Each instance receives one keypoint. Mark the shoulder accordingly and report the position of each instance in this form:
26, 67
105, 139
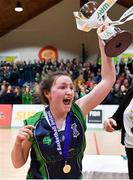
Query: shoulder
33, 119
75, 108
78, 113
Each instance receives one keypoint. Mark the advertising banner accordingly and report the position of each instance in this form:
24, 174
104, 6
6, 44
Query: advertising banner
94, 118
22, 112
99, 114
5, 115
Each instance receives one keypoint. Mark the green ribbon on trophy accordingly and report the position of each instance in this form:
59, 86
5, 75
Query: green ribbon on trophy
91, 16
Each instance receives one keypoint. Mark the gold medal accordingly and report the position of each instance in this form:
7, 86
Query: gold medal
66, 168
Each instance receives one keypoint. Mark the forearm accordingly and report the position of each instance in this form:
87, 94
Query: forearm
17, 156
107, 67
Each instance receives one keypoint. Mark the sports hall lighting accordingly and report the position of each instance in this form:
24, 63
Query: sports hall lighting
18, 7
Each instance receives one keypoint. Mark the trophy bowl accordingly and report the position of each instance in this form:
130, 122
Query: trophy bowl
118, 43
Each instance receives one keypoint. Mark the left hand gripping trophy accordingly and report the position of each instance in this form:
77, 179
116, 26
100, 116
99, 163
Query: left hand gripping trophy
92, 16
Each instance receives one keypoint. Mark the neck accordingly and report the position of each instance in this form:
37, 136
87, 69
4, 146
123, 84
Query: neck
58, 116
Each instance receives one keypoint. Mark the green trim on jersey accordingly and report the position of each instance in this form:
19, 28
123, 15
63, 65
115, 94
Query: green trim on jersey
33, 121
42, 162
77, 111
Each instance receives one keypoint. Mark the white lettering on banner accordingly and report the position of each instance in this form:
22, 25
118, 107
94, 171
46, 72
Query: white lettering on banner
95, 113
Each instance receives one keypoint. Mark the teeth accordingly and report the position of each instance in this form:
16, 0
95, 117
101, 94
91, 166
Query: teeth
66, 101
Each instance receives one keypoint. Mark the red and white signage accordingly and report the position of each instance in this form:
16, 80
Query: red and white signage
5, 115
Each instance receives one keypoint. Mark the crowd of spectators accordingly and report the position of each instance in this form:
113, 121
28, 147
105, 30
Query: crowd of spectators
19, 81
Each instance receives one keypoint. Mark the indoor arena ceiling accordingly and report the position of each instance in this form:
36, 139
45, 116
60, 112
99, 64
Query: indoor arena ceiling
9, 19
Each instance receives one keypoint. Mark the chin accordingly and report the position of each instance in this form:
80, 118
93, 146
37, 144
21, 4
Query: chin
67, 108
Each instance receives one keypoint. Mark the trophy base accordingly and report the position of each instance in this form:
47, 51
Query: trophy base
118, 43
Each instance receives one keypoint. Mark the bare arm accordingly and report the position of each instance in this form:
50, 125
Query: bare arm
97, 95
20, 152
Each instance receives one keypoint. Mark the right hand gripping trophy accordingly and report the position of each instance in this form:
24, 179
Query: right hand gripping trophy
91, 15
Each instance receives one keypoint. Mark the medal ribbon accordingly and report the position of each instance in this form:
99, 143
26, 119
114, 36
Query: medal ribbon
64, 153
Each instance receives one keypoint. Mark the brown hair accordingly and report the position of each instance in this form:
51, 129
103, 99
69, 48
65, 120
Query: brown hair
47, 83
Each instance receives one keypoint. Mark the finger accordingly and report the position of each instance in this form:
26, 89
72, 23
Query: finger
25, 135
28, 131
113, 123
101, 28
108, 127
30, 127
21, 137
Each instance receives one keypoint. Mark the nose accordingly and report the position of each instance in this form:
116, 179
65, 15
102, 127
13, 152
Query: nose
69, 91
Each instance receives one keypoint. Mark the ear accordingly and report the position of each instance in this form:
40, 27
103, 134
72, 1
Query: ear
46, 94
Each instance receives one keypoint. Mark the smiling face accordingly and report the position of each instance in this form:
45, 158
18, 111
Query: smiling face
61, 95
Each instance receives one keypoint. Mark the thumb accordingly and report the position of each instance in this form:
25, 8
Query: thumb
113, 123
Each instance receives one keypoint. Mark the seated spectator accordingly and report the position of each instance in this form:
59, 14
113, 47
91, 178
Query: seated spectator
26, 96
122, 93
36, 99
129, 76
115, 94
8, 97
17, 96
82, 91
126, 83
3, 90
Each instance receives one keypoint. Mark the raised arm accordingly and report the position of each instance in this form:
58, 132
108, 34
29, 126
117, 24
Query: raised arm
97, 95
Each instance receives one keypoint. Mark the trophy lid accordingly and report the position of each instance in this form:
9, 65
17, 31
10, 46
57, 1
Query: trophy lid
88, 9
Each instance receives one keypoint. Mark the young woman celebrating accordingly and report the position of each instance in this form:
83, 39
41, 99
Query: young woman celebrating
56, 136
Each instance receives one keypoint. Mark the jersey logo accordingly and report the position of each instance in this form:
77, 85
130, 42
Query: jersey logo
47, 140
75, 131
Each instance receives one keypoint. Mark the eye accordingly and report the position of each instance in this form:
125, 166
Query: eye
72, 87
62, 87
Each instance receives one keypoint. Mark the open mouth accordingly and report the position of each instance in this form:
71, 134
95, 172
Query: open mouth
66, 101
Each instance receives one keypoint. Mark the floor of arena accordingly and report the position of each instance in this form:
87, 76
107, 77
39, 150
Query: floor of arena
99, 142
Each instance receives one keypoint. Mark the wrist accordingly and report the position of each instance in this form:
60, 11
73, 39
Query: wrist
18, 143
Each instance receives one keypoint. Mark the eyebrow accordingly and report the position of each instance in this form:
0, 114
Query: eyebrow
66, 84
